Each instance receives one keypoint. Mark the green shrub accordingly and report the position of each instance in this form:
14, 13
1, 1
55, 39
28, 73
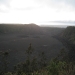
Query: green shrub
9, 73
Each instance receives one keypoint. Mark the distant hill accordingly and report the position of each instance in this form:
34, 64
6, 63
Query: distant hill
28, 29
20, 28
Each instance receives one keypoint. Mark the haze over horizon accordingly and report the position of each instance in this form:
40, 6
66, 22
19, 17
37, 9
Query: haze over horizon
41, 12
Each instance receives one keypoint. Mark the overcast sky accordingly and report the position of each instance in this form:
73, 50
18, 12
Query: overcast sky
38, 11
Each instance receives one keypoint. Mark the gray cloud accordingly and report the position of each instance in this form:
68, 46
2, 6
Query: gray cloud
56, 2
63, 22
47, 2
68, 2
27, 8
5, 2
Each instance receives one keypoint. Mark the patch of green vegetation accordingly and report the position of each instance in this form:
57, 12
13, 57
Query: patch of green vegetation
69, 33
56, 66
